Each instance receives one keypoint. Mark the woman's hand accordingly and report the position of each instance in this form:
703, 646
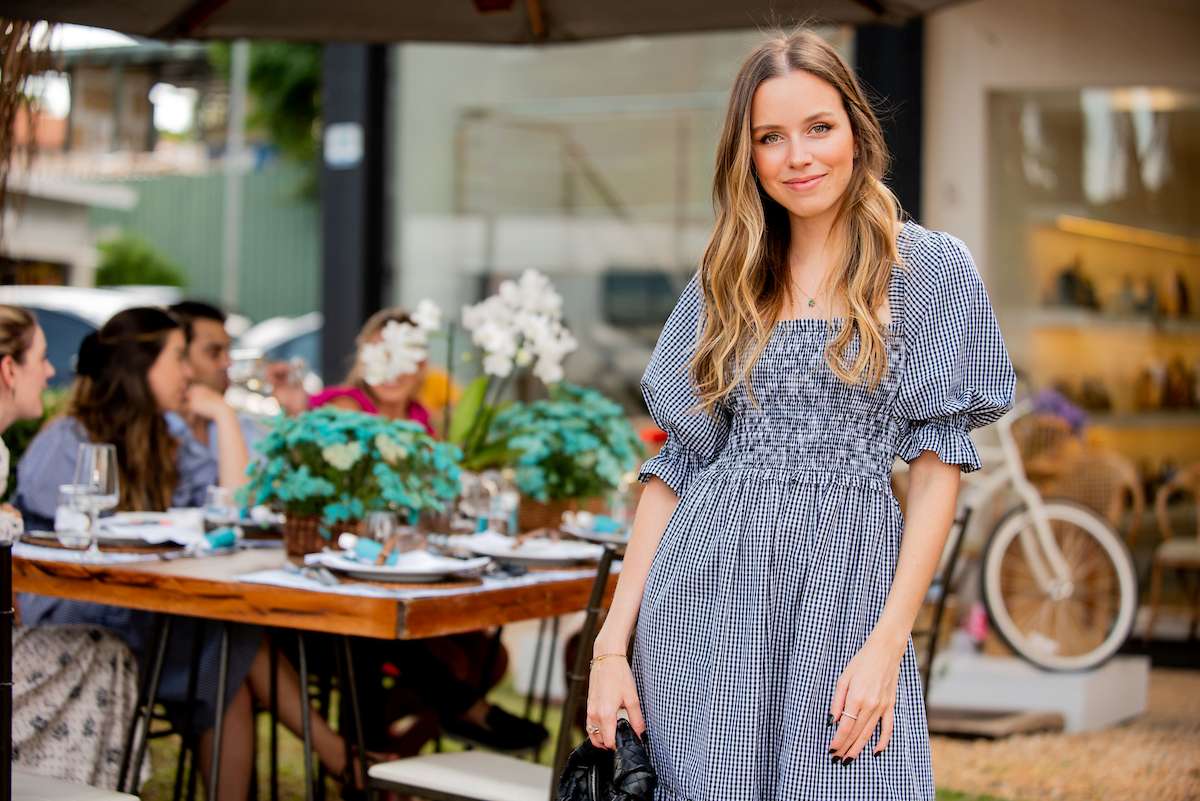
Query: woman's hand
865, 696
206, 402
610, 690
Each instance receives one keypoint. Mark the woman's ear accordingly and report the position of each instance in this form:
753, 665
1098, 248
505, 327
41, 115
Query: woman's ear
8, 371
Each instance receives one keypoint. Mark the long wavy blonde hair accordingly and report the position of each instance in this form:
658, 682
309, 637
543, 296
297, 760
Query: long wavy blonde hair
744, 273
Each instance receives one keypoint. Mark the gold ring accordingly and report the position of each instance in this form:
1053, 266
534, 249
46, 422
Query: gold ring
848, 715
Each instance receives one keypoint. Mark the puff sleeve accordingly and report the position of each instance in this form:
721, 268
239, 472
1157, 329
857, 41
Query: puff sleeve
958, 375
694, 437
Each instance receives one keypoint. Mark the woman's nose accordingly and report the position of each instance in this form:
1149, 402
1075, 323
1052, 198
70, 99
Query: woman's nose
799, 153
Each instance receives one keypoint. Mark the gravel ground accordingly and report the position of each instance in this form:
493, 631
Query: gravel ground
1153, 758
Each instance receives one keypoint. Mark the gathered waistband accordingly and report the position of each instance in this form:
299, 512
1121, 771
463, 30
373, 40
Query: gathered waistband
880, 481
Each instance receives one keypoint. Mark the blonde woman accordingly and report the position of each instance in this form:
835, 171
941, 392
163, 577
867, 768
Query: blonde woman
772, 577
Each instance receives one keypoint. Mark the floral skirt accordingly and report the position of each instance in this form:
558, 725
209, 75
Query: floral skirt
74, 692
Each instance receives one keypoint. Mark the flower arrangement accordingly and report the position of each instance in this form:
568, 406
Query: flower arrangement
338, 465
402, 346
520, 327
575, 444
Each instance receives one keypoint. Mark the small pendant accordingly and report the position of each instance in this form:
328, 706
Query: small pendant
811, 303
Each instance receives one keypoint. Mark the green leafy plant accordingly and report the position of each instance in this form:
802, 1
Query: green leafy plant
131, 260
340, 465
576, 444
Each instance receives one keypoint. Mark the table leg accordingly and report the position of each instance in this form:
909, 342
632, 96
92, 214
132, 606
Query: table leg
273, 693
537, 658
186, 742
143, 711
222, 679
305, 718
350, 697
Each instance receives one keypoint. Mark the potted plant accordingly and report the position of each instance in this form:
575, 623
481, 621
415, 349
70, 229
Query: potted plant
575, 447
328, 468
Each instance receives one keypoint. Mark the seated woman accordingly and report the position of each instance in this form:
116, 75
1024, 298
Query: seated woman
446, 677
130, 373
74, 687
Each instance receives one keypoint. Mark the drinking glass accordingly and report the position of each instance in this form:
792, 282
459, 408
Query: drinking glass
97, 483
381, 525
220, 508
71, 516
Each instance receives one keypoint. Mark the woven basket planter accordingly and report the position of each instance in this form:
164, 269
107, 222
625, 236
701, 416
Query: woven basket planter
302, 535
548, 514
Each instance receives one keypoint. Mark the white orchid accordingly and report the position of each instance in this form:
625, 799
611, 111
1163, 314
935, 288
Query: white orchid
428, 316
519, 326
401, 349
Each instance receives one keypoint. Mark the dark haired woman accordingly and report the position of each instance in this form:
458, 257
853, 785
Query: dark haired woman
74, 687
771, 575
130, 373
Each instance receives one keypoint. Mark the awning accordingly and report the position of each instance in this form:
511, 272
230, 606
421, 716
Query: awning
483, 21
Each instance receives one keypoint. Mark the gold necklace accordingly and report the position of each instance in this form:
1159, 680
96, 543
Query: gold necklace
811, 300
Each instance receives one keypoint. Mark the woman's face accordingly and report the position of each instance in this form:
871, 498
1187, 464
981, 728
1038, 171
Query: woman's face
29, 378
802, 143
170, 374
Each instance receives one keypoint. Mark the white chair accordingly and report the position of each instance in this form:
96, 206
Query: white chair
487, 776
28, 786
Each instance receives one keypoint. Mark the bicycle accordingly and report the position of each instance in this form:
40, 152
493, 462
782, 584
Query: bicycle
1057, 581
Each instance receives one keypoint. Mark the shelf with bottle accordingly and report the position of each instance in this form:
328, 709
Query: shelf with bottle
1075, 318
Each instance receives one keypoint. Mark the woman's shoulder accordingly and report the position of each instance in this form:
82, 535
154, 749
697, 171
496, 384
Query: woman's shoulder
60, 431
935, 263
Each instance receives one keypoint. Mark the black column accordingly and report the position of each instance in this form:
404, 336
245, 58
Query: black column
354, 250
890, 61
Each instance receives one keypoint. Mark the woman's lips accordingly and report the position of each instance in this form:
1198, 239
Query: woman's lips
802, 184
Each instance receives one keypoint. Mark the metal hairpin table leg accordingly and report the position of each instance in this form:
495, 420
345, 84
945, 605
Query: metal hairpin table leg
214, 774
6, 685
187, 743
274, 707
305, 718
537, 658
144, 710
349, 699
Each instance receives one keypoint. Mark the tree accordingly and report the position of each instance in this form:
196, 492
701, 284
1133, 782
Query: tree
131, 260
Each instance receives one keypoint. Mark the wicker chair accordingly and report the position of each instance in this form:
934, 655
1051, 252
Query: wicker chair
1181, 554
1106, 482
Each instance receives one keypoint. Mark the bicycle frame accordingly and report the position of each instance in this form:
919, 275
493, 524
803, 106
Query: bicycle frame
1041, 551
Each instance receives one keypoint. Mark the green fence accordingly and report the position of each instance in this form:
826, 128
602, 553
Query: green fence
182, 215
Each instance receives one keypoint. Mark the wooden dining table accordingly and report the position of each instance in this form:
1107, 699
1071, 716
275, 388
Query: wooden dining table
213, 588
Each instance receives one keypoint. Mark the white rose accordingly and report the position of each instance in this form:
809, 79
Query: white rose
342, 457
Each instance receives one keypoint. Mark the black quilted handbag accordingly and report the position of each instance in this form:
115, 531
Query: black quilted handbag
597, 774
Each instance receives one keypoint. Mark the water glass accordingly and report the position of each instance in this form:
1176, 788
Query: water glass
71, 518
381, 526
97, 482
220, 508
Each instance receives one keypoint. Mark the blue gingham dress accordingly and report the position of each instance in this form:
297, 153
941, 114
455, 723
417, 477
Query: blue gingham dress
780, 555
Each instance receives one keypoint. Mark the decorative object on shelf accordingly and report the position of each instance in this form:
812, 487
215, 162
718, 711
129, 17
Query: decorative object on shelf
1178, 301
1178, 386
1073, 288
1145, 298
327, 468
1093, 395
1148, 387
518, 328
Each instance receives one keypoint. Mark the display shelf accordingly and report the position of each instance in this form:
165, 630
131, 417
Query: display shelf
1126, 234
1161, 418
1076, 319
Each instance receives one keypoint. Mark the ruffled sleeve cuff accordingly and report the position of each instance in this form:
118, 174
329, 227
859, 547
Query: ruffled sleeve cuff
674, 465
947, 438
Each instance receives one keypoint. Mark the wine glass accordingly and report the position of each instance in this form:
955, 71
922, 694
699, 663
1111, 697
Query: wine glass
381, 525
97, 483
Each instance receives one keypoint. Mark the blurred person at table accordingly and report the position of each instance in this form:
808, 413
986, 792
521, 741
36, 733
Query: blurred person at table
441, 681
208, 358
74, 687
131, 373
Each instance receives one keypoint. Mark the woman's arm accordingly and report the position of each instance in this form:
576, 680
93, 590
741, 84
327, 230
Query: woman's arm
612, 686
867, 687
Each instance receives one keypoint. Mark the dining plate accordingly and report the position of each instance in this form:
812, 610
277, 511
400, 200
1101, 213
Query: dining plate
532, 552
411, 567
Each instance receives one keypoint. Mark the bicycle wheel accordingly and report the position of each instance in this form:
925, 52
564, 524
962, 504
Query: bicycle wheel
1076, 624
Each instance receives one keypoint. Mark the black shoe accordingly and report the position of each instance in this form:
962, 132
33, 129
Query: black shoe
503, 731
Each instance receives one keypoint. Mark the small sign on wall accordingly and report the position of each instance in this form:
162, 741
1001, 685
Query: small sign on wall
343, 145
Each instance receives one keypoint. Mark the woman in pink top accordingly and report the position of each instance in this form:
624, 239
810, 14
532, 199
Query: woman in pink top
395, 398
441, 682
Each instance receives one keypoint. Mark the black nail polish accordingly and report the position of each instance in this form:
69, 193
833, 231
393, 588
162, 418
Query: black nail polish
836, 760
828, 719
847, 761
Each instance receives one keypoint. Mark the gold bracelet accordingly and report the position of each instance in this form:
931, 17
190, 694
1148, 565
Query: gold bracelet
596, 659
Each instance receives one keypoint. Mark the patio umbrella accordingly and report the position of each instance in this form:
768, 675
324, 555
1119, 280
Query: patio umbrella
483, 21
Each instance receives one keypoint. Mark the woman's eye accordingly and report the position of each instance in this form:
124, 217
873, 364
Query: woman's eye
823, 128
771, 138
